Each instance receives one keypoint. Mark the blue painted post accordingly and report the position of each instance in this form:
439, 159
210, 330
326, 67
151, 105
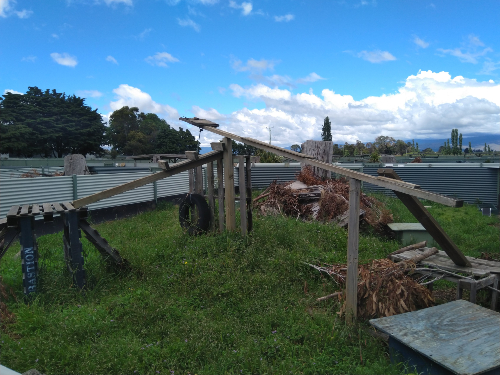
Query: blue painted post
73, 253
75, 187
29, 255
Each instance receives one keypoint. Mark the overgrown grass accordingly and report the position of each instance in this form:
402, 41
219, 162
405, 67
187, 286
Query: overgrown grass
214, 304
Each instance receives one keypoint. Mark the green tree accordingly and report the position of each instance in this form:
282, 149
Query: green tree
400, 147
470, 148
243, 149
296, 148
460, 140
49, 123
326, 133
385, 144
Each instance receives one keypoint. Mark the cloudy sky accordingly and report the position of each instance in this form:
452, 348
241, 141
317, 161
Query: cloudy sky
406, 69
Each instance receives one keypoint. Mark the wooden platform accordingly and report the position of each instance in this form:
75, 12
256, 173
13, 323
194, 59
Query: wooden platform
46, 209
458, 337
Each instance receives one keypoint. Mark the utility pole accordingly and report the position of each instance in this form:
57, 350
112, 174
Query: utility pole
270, 127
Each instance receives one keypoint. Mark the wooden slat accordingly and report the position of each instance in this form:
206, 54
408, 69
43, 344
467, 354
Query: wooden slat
198, 181
249, 193
210, 193
58, 207
307, 159
25, 209
428, 222
243, 195
174, 169
35, 209
229, 185
220, 191
217, 146
192, 155
13, 211
352, 251
68, 206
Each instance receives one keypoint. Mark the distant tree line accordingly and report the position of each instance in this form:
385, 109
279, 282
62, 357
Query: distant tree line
51, 124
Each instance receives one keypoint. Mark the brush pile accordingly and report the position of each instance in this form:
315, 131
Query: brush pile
311, 198
385, 288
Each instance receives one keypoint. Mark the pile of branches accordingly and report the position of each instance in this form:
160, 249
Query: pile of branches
331, 206
385, 288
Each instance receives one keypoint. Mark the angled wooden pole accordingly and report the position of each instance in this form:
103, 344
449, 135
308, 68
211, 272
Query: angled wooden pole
229, 184
352, 251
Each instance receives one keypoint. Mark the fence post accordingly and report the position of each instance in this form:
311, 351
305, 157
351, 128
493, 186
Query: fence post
155, 191
75, 187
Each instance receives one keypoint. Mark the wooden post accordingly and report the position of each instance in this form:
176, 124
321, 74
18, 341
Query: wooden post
29, 254
249, 193
191, 181
229, 184
243, 195
220, 193
322, 151
352, 252
210, 192
198, 184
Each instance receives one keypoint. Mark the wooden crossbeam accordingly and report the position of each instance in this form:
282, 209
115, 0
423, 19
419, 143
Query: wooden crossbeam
399, 186
174, 169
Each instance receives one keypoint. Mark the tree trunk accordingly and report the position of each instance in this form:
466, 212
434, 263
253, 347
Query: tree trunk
321, 150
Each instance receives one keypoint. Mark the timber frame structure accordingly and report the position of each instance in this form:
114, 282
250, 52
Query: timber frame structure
222, 154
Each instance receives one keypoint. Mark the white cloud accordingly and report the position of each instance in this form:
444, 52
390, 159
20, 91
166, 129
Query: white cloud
419, 42
210, 114
133, 97
64, 59
190, 23
246, 8
12, 92
208, 2
252, 65
489, 67
285, 18
144, 33
469, 52
7, 9
376, 56
30, 58
113, 2
427, 105
55, 36
89, 93
312, 77
111, 59
161, 59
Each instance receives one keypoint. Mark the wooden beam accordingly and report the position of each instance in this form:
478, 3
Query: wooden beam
428, 222
192, 155
400, 186
163, 164
249, 193
352, 252
217, 146
198, 180
220, 194
210, 193
174, 169
243, 194
229, 185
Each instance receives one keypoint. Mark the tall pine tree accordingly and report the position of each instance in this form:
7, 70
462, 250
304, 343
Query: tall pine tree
326, 133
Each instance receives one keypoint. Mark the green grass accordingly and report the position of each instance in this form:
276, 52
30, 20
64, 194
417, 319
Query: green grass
214, 304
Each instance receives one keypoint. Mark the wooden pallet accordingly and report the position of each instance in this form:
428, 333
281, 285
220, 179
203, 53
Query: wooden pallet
46, 209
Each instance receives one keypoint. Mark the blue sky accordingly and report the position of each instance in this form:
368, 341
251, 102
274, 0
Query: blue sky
407, 69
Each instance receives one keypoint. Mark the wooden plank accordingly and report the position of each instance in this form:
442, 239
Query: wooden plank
48, 214
58, 207
68, 206
442, 262
321, 150
35, 209
308, 159
249, 193
13, 211
352, 252
243, 194
428, 222
25, 209
198, 180
460, 336
100, 243
192, 155
220, 192
229, 185
191, 181
174, 169
210, 193
217, 146
163, 164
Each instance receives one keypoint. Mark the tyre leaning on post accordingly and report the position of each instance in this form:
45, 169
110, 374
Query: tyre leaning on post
191, 202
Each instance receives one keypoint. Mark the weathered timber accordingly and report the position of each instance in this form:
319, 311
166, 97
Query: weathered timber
428, 222
217, 146
249, 193
100, 243
25, 209
308, 159
163, 164
35, 209
198, 180
191, 181
174, 169
68, 206
48, 214
12, 216
229, 185
352, 251
210, 193
409, 247
320, 150
243, 195
220, 194
192, 155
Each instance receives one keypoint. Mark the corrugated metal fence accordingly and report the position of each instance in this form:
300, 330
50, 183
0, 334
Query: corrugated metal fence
470, 182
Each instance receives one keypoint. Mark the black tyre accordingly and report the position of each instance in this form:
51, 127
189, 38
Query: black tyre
194, 214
